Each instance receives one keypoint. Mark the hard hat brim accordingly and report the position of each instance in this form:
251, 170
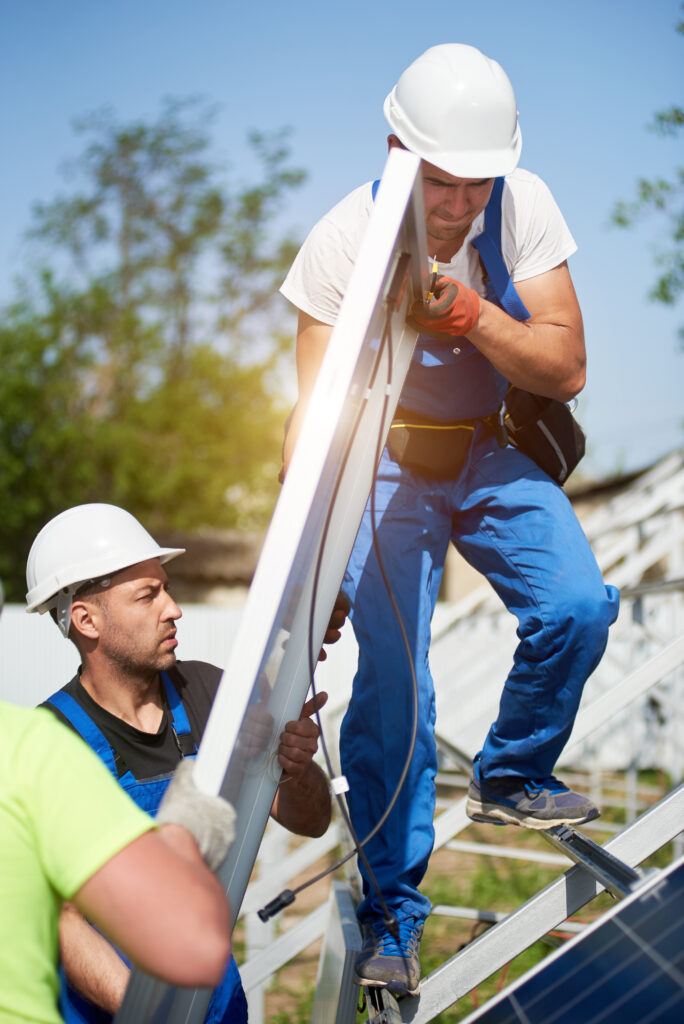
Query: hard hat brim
493, 163
43, 597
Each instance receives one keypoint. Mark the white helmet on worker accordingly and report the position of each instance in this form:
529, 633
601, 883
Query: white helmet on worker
456, 109
83, 545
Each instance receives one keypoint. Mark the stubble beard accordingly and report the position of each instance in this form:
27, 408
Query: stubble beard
443, 231
138, 663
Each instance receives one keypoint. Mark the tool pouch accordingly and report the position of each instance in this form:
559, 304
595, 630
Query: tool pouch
545, 430
431, 449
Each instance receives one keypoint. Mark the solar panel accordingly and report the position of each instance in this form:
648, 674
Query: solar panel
308, 543
626, 967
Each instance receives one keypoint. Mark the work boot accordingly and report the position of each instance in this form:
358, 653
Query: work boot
533, 803
388, 963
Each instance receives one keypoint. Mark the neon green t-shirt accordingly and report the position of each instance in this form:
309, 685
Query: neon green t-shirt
62, 816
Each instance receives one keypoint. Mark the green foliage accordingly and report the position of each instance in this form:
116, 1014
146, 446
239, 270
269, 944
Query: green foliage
142, 359
663, 196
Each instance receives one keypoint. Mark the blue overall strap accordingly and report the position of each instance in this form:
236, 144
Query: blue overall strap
85, 727
180, 719
500, 288
181, 723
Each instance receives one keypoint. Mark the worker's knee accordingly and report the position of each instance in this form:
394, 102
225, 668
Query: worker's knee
584, 617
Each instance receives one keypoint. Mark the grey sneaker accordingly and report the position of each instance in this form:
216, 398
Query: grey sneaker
386, 963
533, 803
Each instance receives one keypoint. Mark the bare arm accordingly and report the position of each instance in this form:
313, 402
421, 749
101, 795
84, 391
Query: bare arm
160, 904
302, 801
91, 964
546, 353
312, 340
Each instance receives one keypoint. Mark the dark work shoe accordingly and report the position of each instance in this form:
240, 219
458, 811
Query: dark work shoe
532, 803
386, 963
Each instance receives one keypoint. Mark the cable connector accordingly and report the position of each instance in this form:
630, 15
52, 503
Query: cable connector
433, 279
391, 924
275, 906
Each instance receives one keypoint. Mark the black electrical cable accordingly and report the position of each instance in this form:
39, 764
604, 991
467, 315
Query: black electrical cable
288, 895
358, 847
402, 778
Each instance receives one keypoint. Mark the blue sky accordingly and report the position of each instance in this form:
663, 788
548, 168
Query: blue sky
588, 77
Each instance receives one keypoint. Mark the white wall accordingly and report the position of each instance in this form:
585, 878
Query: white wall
36, 660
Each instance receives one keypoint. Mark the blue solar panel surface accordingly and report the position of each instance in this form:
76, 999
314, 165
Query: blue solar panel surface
628, 967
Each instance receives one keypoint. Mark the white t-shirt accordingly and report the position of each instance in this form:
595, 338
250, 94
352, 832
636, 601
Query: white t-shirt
534, 239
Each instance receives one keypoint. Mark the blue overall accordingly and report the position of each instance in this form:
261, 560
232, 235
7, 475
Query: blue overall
515, 525
228, 1004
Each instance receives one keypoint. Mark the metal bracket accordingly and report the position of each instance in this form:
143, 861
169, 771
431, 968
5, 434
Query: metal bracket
617, 877
400, 280
384, 1007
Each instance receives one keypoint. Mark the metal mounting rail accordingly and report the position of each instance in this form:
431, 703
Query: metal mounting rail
612, 873
337, 993
545, 911
382, 1006
613, 866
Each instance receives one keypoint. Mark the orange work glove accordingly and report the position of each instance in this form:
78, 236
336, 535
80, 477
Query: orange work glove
453, 309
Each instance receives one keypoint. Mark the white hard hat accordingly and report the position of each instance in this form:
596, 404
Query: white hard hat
456, 108
84, 543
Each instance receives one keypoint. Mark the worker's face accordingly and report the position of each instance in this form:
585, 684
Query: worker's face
137, 619
451, 206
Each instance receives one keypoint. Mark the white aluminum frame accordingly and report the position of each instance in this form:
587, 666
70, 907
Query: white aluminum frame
268, 673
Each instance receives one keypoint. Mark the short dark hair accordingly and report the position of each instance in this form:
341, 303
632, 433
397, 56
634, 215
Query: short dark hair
91, 588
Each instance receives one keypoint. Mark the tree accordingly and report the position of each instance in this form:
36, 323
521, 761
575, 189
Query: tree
141, 361
664, 196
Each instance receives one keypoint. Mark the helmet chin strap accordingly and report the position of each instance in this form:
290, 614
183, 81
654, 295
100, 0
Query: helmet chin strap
65, 599
64, 610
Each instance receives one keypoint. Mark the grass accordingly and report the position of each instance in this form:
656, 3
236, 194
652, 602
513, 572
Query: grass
301, 1005
495, 884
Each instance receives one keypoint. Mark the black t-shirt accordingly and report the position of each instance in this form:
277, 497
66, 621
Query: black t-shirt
150, 754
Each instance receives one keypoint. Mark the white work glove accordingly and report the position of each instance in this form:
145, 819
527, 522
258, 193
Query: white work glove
210, 819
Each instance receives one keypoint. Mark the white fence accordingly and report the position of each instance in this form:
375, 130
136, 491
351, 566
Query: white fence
36, 660
637, 535
470, 661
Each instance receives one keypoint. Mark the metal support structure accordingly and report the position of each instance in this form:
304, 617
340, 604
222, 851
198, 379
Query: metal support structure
540, 915
636, 532
383, 1007
612, 873
268, 885
633, 534
336, 992
488, 916
453, 820
264, 964
509, 852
